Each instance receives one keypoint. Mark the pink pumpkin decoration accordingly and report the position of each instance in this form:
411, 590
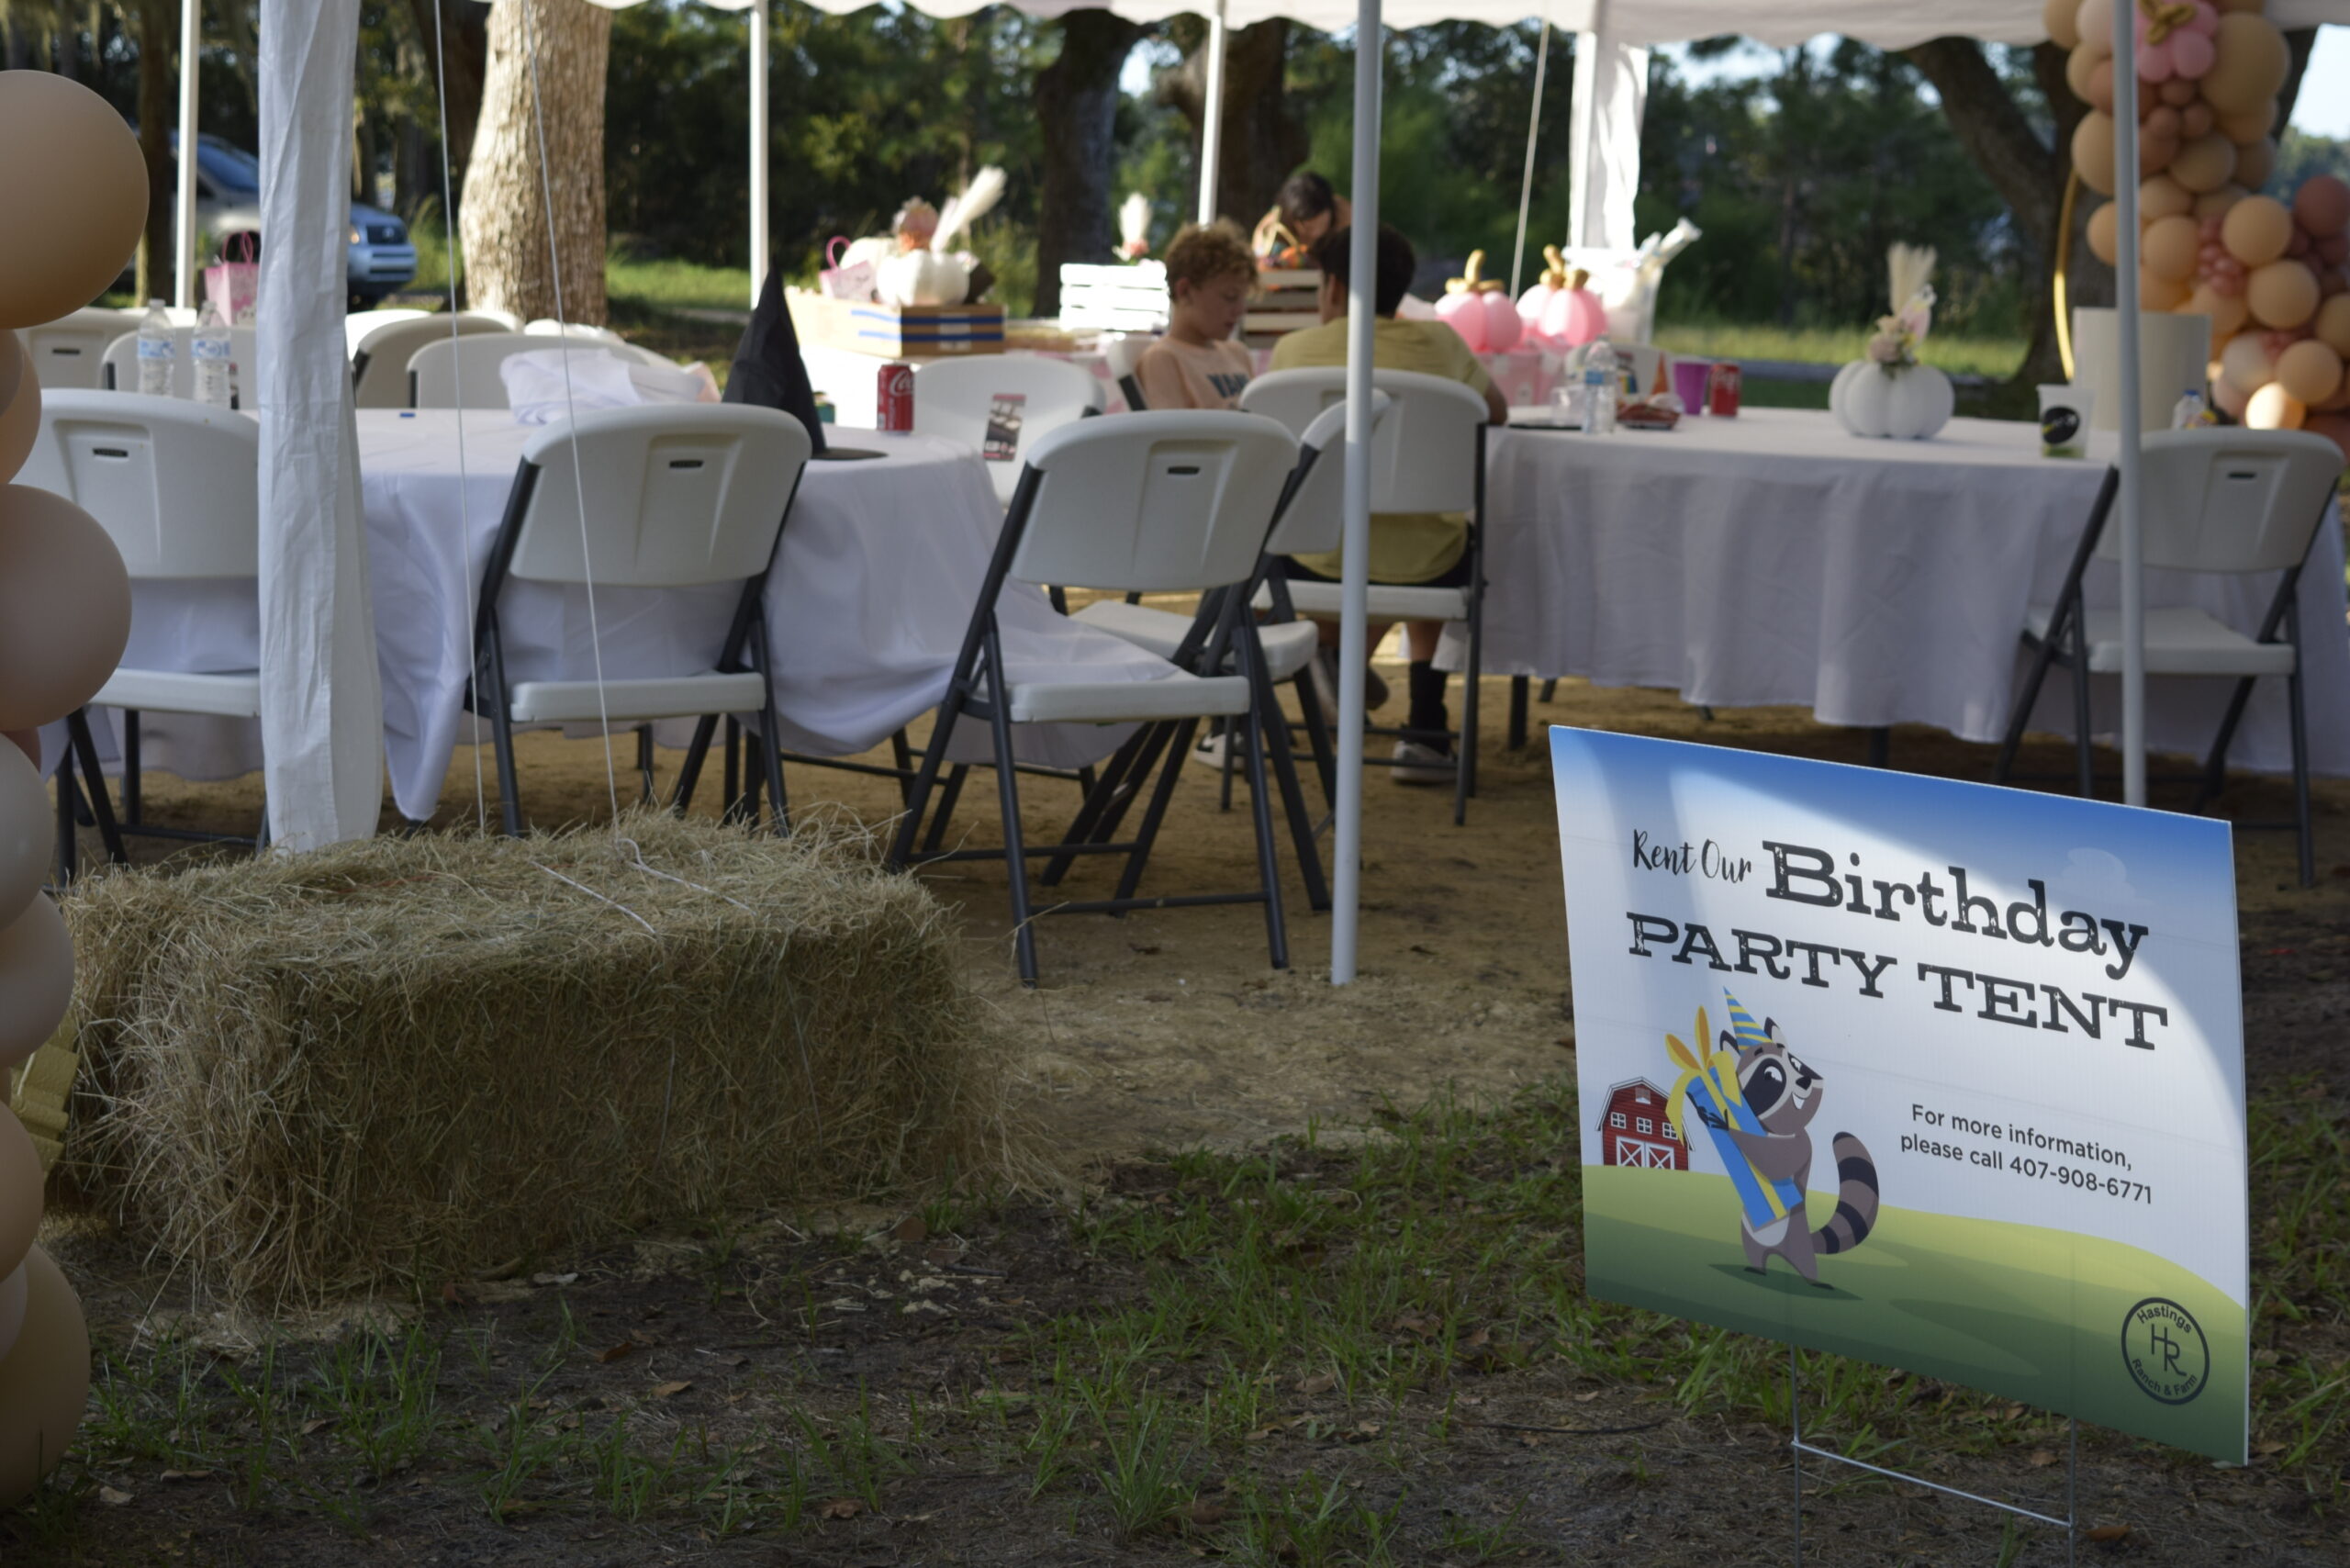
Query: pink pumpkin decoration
2176, 41
1576, 317
1535, 300
1462, 307
1502, 328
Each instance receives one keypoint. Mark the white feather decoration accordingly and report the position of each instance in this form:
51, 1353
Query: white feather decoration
979, 198
1910, 268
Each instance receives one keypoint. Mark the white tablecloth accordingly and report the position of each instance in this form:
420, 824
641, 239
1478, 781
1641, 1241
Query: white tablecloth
1774, 559
873, 587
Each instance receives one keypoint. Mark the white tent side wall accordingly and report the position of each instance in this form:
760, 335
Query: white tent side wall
1611, 96
322, 697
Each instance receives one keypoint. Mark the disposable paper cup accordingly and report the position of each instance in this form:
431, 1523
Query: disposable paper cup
1689, 379
2065, 415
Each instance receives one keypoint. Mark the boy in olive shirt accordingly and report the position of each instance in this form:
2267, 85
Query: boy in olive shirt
1419, 549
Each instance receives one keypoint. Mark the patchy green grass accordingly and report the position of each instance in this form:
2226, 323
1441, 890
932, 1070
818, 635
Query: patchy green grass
1996, 357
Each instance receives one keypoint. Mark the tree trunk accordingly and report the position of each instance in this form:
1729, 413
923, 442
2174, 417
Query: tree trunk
2028, 173
2298, 45
20, 44
1264, 138
1077, 111
506, 222
463, 39
157, 114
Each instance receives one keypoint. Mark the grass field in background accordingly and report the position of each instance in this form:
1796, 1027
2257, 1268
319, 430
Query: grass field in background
1997, 358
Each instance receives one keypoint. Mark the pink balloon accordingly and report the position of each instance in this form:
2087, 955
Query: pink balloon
1465, 315
1502, 326
2334, 248
2191, 54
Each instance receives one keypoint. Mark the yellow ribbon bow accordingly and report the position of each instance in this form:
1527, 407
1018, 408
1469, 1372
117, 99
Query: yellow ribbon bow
2162, 19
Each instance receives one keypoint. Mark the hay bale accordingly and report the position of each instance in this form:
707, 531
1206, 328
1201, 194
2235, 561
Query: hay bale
397, 1062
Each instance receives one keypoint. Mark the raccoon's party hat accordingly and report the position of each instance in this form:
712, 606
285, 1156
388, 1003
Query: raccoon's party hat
1742, 1025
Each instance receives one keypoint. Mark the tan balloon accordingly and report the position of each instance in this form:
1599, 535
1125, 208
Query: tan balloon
2227, 313
2156, 293
2333, 324
2256, 160
64, 607
12, 368
19, 420
20, 1194
36, 979
2162, 197
2057, 17
2257, 230
25, 834
2078, 67
2105, 234
75, 188
2216, 203
44, 1380
2309, 370
2094, 23
2169, 247
2203, 164
2197, 118
2252, 62
2282, 295
2093, 152
2246, 364
26, 742
2274, 409
2241, 126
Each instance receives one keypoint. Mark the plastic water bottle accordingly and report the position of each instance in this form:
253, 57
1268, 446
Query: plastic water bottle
1603, 384
157, 351
2188, 412
211, 348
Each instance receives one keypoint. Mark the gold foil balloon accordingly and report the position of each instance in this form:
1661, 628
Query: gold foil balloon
2274, 409
44, 1380
2283, 294
24, 830
2309, 370
74, 190
2252, 65
20, 1193
2256, 230
36, 979
19, 419
64, 607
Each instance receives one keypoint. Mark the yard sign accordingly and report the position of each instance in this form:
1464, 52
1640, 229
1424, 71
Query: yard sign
1940, 1076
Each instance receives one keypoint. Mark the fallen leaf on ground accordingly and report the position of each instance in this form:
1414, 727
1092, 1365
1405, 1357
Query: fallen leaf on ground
317, 1424
669, 1390
553, 1279
910, 1228
113, 1498
842, 1508
187, 1476
2107, 1532
1320, 1383
2265, 1450
1203, 1515
2041, 1459
615, 1352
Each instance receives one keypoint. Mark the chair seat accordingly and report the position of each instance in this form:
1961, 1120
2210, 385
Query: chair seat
1178, 696
2180, 640
675, 697
231, 696
1388, 602
1289, 647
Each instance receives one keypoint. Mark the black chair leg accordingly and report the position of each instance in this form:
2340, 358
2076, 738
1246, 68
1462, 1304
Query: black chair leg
2215, 767
2301, 747
1275, 730
1550, 689
131, 770
85, 751
2084, 760
644, 764
1114, 783
1260, 808
770, 733
1317, 737
902, 754
509, 791
947, 797
690, 771
1517, 694
2043, 655
1147, 833
730, 796
1007, 785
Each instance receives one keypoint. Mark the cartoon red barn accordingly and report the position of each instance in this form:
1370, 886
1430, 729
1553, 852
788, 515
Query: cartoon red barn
1634, 1130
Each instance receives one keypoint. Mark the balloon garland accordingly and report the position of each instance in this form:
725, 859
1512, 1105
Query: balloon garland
64, 617
2273, 276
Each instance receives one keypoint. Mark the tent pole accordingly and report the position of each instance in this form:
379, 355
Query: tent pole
2130, 417
1362, 319
1212, 116
183, 220
761, 149
1533, 129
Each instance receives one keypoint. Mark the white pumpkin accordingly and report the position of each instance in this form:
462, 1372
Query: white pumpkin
923, 277
1902, 402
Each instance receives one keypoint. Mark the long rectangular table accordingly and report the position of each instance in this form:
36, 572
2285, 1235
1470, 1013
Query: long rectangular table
1772, 559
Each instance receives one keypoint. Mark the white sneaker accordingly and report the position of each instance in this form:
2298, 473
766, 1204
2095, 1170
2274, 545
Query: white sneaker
1417, 764
1210, 750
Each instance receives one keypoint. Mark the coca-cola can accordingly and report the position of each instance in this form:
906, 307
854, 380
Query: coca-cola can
893, 402
1722, 387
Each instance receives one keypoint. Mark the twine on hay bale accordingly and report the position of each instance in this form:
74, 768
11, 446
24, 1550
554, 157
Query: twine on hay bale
395, 1062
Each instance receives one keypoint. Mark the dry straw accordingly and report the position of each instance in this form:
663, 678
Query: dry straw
400, 1061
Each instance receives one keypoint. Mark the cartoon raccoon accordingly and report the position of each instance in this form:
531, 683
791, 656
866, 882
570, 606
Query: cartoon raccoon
1783, 1093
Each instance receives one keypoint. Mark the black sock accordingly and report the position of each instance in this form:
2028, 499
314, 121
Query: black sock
1428, 700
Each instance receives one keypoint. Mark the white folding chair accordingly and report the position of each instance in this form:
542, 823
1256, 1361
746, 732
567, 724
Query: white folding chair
548, 326
379, 356
69, 354
176, 486
463, 372
119, 369
1001, 404
1428, 457
2226, 501
1124, 350
1166, 502
677, 496
359, 323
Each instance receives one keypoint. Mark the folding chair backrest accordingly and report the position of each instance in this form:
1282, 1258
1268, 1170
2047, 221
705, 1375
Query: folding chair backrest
1424, 458
359, 323
676, 495
1001, 403
1155, 502
2229, 501
1123, 352
175, 485
69, 352
121, 365
548, 326
463, 372
379, 359
1315, 518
